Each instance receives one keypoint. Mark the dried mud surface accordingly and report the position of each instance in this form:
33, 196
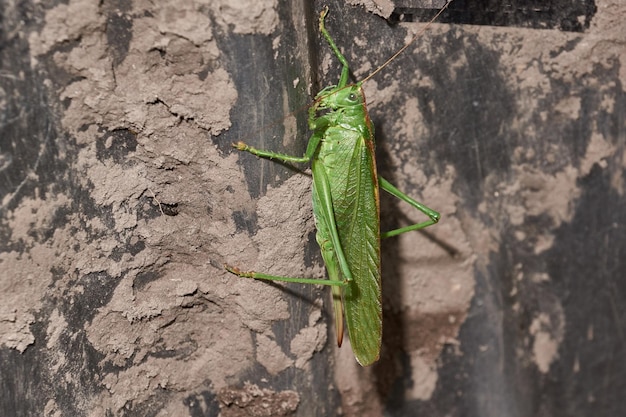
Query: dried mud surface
141, 126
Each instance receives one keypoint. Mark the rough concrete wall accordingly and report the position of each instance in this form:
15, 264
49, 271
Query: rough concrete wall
121, 200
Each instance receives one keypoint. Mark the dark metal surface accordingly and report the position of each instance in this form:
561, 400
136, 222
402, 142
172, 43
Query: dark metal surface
571, 16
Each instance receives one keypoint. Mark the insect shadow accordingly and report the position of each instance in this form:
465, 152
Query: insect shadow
389, 376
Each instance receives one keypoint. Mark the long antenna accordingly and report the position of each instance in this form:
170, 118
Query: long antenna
418, 34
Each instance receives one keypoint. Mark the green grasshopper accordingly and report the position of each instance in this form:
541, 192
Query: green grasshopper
346, 208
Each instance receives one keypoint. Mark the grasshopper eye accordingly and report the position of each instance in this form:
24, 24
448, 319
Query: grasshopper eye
352, 98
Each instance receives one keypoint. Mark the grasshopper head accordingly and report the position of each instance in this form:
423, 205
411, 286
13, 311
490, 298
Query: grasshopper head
335, 98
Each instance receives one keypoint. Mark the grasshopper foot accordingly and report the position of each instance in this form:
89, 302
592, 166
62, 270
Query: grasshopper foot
240, 146
236, 271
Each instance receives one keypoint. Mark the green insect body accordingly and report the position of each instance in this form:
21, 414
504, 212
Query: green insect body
344, 168
346, 209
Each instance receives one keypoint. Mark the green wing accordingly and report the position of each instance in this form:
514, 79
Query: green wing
346, 158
